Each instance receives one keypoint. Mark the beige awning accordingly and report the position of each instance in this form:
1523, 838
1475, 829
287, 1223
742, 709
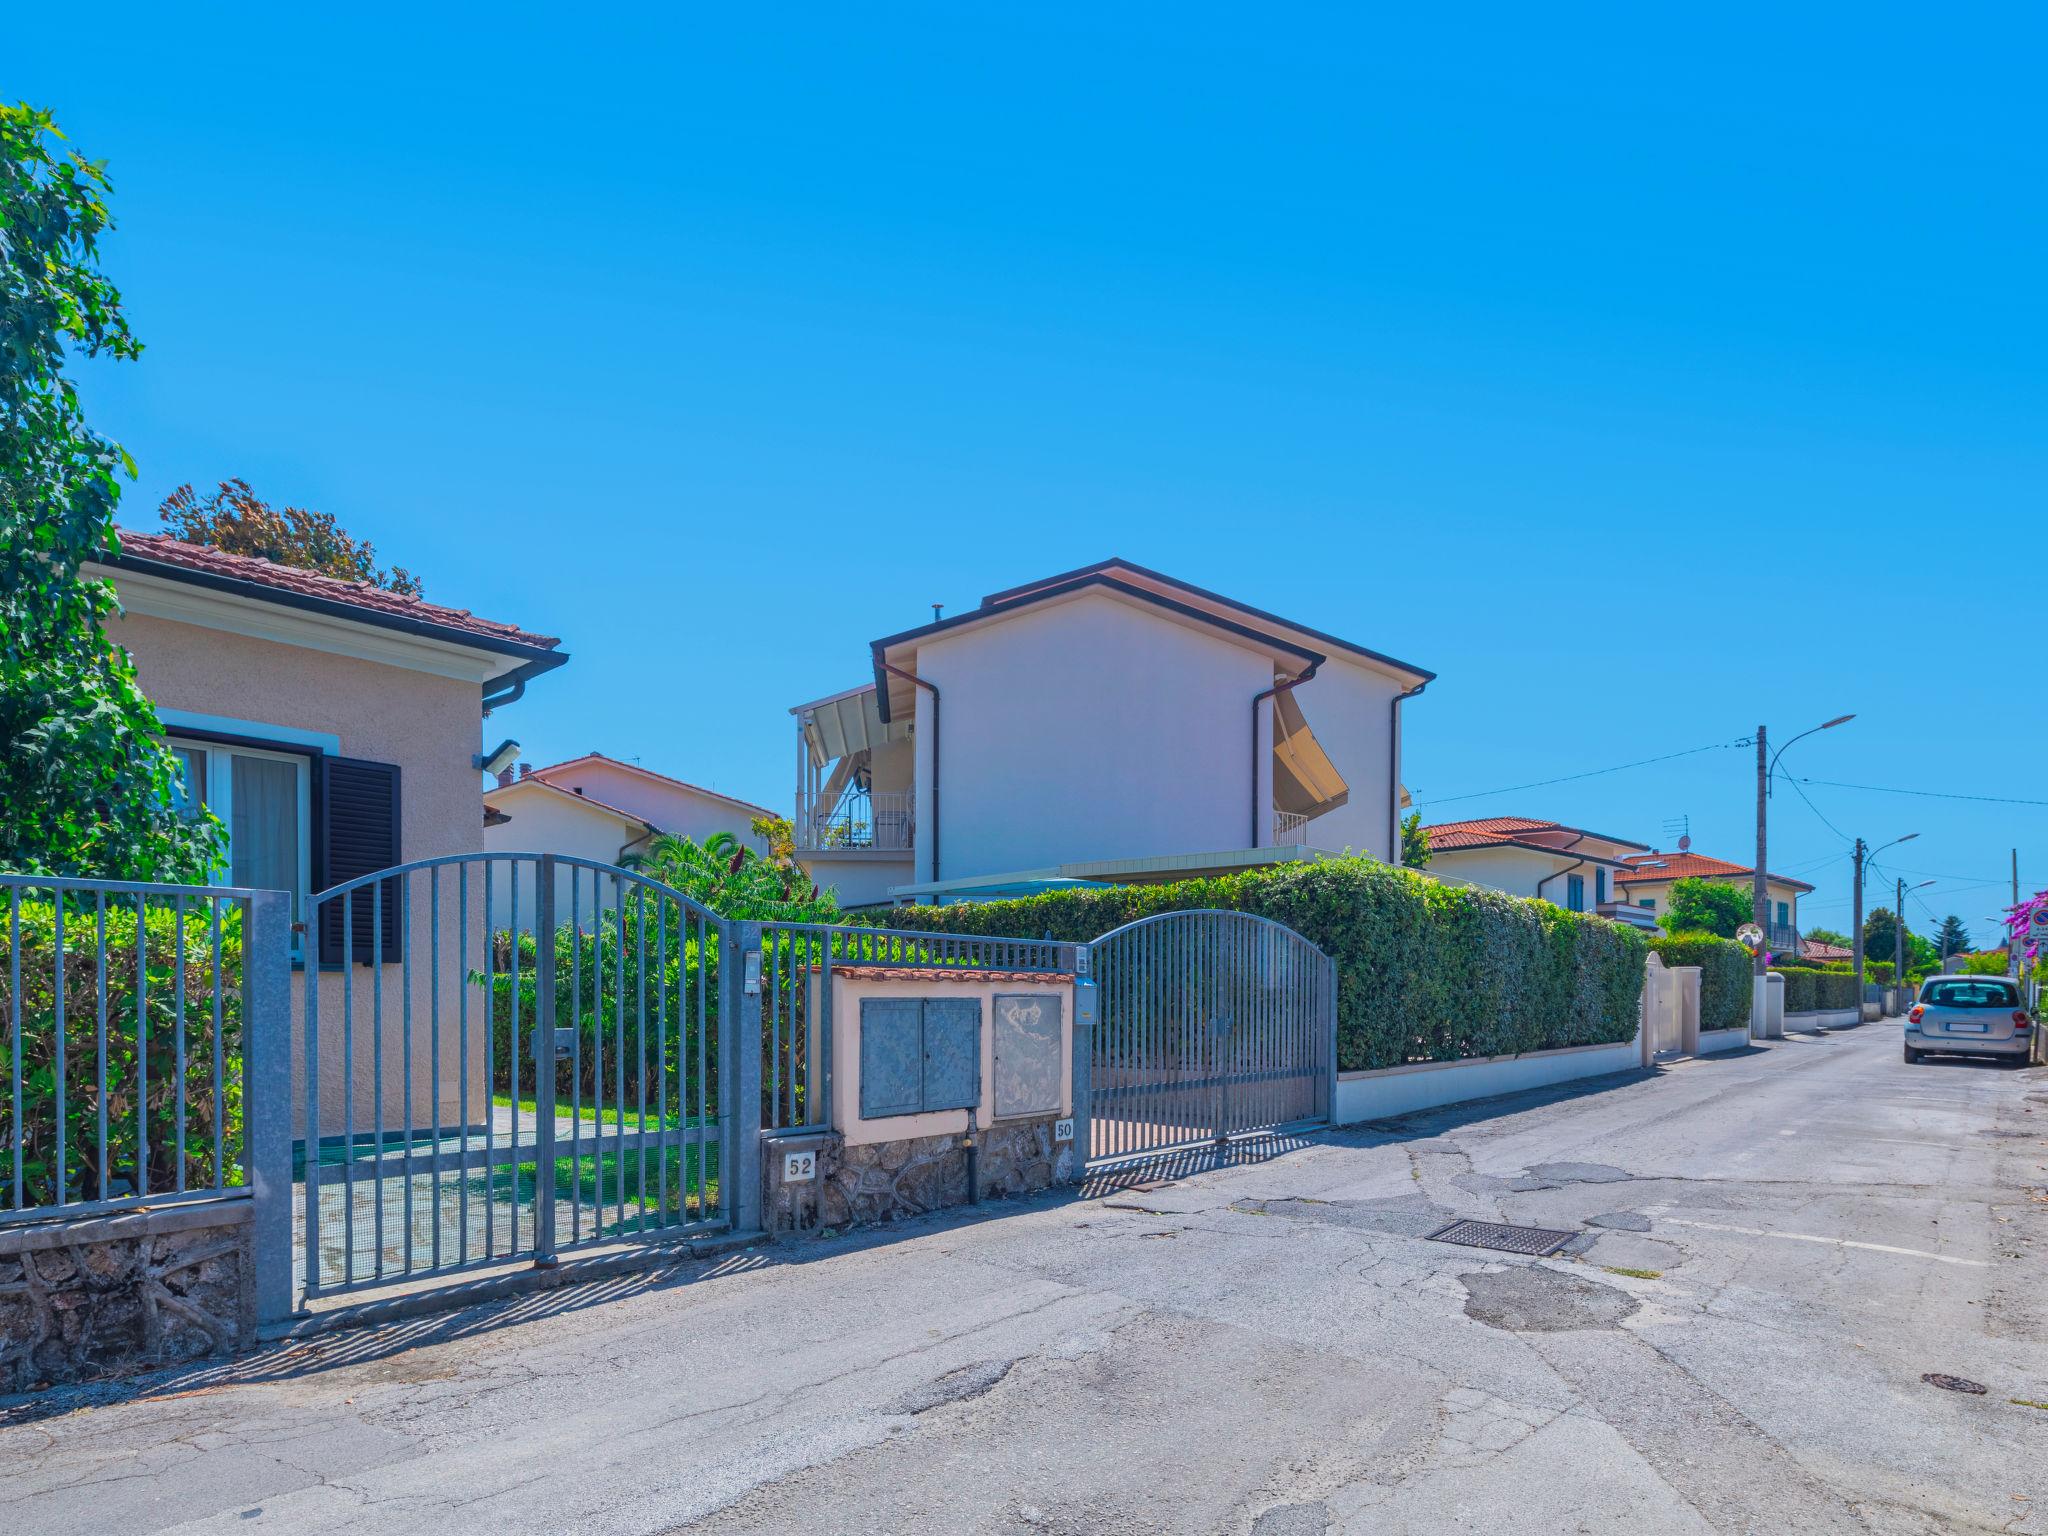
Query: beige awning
1305, 781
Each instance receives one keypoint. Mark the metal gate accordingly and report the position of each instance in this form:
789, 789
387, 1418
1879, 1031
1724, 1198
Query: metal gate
1209, 1025
505, 1056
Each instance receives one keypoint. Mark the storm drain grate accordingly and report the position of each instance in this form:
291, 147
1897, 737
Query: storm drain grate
1539, 1242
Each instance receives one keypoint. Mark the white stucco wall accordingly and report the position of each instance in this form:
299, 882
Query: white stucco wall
857, 877
1089, 729
672, 807
545, 822
1348, 706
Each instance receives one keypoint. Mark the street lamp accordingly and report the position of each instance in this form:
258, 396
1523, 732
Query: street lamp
1863, 856
1766, 768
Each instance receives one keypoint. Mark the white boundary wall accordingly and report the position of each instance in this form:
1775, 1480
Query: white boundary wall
1723, 1039
1429, 1084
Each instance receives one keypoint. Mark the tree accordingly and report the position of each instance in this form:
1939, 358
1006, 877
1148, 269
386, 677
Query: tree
235, 519
86, 780
1880, 926
1992, 962
1829, 936
735, 881
1954, 938
1414, 841
1706, 906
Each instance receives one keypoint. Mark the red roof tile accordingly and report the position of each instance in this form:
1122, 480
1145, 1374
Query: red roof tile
1694, 866
162, 549
960, 973
1494, 831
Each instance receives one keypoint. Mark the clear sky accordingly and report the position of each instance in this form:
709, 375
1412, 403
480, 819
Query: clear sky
1644, 376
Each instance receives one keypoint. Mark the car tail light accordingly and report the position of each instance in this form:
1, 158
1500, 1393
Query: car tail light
2021, 1019
1916, 1013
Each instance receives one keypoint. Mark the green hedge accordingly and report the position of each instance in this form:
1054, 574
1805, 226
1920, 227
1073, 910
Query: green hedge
1808, 990
1879, 971
135, 1091
1426, 971
1727, 976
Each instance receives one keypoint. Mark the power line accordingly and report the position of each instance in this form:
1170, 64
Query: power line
1593, 773
1845, 837
1925, 794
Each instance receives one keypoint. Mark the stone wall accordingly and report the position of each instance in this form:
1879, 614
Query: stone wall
121, 1293
887, 1180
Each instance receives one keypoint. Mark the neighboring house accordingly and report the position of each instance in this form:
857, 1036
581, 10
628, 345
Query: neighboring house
1570, 866
1105, 725
601, 809
334, 727
1815, 950
1650, 877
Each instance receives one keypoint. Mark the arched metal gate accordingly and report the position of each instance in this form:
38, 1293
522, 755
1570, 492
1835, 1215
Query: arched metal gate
1209, 1025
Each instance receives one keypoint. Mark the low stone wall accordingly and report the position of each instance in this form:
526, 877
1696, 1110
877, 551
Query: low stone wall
886, 1180
129, 1292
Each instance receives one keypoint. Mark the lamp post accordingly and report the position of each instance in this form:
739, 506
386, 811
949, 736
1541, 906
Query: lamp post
1766, 766
1864, 856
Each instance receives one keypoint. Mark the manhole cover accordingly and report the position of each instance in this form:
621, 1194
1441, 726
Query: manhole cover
1540, 1242
1949, 1383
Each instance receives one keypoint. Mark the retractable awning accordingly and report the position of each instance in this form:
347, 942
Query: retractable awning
845, 724
1305, 781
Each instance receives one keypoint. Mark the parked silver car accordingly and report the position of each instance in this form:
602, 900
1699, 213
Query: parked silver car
1974, 1015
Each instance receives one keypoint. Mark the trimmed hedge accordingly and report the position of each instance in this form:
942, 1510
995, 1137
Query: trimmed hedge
1726, 975
1426, 971
1808, 990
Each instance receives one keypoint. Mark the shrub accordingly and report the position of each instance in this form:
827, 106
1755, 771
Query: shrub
150, 1095
1426, 971
1807, 990
1726, 975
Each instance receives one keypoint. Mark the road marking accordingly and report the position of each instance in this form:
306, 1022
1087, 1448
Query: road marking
1837, 1242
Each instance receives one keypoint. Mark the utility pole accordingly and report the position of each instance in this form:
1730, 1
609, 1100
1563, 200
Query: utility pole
1759, 897
1899, 935
1856, 932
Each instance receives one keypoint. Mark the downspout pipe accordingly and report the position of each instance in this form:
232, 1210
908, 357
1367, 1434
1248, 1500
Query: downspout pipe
932, 689
1560, 874
1257, 699
1394, 770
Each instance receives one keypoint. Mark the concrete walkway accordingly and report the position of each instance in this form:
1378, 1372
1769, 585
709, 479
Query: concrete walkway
1778, 1245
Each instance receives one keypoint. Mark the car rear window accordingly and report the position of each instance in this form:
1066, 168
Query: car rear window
1971, 994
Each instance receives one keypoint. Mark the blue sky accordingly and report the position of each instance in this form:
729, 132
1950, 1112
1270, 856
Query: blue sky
1644, 377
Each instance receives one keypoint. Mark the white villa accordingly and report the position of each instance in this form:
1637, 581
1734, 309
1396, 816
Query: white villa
1107, 725
1579, 870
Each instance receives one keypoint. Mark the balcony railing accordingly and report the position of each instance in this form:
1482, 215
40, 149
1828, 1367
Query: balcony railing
1287, 827
884, 819
1782, 940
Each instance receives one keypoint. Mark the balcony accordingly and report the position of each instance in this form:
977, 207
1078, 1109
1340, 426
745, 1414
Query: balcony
879, 820
1782, 940
1287, 828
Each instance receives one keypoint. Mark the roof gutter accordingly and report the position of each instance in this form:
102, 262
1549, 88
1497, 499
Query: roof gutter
1559, 874
1394, 768
932, 689
512, 686
1257, 699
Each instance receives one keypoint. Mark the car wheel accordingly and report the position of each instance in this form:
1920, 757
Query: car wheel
1913, 1057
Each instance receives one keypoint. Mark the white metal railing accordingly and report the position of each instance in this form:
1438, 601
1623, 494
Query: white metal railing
881, 819
1287, 826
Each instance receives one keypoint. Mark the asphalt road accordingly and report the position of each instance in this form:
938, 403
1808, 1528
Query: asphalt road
1779, 1244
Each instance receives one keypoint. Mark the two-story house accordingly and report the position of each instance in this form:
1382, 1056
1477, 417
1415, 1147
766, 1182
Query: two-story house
1105, 725
1651, 875
1577, 869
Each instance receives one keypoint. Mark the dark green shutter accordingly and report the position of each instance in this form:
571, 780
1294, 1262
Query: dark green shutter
356, 820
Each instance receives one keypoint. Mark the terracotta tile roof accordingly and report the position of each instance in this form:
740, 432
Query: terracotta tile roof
960, 973
1497, 831
1814, 949
1695, 866
143, 549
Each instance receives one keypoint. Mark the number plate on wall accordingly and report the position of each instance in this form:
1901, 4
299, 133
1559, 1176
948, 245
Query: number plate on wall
799, 1167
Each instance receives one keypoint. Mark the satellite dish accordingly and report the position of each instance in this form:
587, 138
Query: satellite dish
1685, 843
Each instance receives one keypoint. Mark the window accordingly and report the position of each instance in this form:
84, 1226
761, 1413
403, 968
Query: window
1575, 892
1648, 904
1784, 916
1976, 993
264, 799
1599, 887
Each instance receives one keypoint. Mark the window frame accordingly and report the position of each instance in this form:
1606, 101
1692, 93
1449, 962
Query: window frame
218, 752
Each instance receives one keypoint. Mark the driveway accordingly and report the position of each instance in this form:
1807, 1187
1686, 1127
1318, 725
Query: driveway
1779, 1244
